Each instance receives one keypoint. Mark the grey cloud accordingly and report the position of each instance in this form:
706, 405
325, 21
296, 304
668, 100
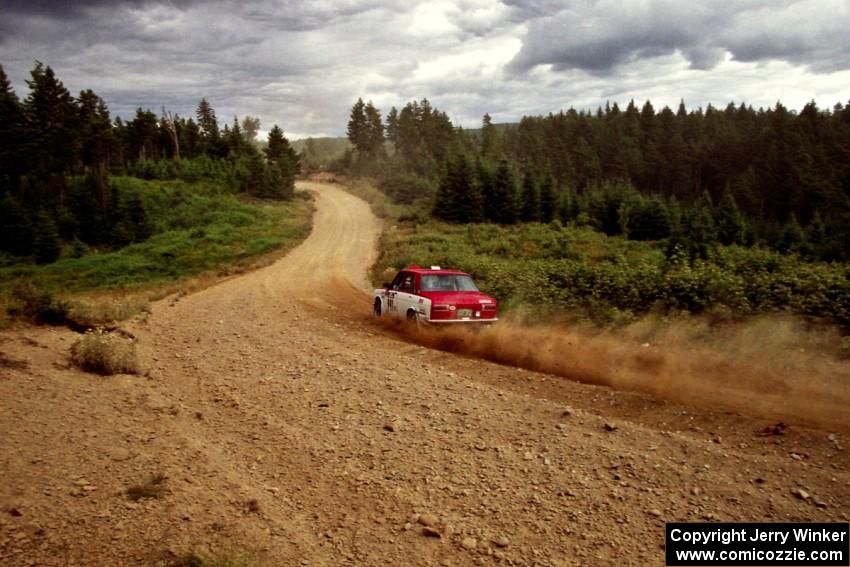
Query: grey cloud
528, 9
302, 63
704, 57
813, 33
288, 15
20, 16
306, 15
270, 58
78, 8
599, 36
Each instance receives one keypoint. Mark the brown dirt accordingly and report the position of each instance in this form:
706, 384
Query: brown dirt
813, 390
280, 422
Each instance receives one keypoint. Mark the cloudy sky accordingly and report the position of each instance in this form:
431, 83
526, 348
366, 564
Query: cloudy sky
302, 63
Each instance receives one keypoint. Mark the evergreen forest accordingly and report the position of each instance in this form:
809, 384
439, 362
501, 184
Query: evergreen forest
735, 210
63, 159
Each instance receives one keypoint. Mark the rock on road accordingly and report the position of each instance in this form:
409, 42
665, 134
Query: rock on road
292, 428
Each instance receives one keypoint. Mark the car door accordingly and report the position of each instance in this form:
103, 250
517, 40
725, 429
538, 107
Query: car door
406, 297
391, 295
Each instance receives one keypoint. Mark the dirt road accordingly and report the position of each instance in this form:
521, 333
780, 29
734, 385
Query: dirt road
295, 430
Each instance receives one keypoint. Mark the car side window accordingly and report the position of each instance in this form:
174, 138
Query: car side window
407, 283
397, 281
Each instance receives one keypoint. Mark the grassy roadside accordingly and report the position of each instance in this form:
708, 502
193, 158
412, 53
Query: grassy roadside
606, 279
582, 305
201, 234
381, 205
748, 305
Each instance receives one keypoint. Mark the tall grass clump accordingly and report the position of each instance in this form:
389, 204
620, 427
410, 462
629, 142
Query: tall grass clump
195, 559
105, 353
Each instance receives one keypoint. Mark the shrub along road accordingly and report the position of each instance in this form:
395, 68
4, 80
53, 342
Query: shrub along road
277, 422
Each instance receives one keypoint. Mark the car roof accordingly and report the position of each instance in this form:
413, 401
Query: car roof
433, 270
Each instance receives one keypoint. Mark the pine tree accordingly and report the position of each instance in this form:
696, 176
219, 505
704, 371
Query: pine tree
700, 231
118, 157
816, 235
625, 213
143, 135
207, 120
96, 143
548, 200
190, 139
210, 135
731, 226
503, 203
392, 125
793, 237
530, 208
84, 205
489, 137
422, 136
234, 139
484, 179
608, 207
568, 208
651, 221
358, 127
53, 129
279, 150
586, 163
12, 136
471, 199
16, 230
374, 131
409, 141
446, 203
274, 184
652, 161
131, 222
253, 180
46, 245
281, 154
459, 197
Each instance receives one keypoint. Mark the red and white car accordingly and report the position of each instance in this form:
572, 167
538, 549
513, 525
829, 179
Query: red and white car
435, 296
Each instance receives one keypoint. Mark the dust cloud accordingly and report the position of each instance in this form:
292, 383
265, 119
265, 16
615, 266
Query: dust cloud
771, 367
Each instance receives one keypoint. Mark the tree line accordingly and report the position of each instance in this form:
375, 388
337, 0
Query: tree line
57, 152
770, 177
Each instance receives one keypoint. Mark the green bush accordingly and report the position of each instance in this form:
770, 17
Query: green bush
405, 187
172, 229
37, 305
552, 267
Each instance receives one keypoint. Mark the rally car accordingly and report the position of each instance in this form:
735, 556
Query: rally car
435, 296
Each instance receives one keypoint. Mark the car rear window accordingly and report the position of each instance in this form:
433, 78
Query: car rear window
447, 282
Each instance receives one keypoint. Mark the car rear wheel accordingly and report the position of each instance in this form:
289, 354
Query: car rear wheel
412, 317
376, 308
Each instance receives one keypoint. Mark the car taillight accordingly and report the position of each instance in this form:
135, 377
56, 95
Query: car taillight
488, 307
440, 308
